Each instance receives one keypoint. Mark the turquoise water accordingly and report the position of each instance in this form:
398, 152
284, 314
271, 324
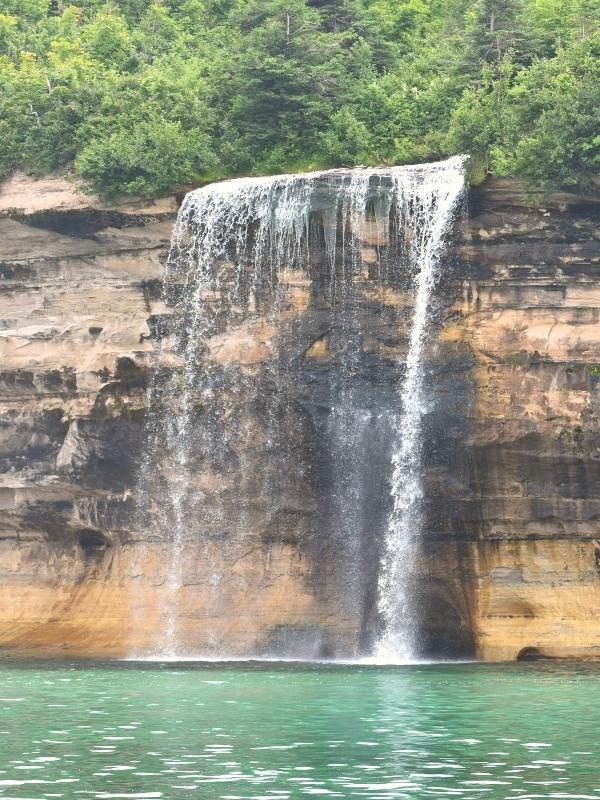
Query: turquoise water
282, 731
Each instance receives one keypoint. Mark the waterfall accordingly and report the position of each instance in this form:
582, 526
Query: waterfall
432, 201
236, 246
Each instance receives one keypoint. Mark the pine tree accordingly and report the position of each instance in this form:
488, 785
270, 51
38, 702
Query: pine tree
495, 30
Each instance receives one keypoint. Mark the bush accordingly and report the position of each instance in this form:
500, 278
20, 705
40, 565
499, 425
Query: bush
148, 157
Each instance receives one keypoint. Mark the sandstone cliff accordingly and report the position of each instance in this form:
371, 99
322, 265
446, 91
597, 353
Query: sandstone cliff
529, 315
511, 558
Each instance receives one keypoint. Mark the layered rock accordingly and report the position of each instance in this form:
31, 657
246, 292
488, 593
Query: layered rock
79, 284
529, 313
510, 558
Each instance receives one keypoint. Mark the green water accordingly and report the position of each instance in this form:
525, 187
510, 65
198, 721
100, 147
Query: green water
274, 732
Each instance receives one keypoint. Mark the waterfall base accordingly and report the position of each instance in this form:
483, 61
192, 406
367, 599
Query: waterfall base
120, 613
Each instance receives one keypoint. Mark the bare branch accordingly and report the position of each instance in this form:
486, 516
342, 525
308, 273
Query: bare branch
32, 112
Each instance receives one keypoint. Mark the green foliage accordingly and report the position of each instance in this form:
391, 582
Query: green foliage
515, 359
540, 123
144, 96
107, 40
146, 156
347, 142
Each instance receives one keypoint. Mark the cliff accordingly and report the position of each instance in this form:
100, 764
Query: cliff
529, 513
509, 564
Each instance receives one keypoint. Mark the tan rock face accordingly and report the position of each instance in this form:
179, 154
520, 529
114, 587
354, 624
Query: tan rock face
529, 312
510, 558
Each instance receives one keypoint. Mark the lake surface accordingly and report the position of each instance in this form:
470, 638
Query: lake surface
288, 731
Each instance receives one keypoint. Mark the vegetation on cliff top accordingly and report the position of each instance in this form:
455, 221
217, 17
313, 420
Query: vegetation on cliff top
142, 96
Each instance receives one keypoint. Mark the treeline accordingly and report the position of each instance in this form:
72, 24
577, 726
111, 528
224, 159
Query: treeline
143, 96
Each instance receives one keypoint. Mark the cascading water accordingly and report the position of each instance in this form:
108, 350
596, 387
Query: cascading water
236, 246
432, 202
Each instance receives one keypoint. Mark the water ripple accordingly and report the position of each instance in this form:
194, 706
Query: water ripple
225, 732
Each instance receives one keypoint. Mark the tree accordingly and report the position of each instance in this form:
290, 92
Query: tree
284, 83
106, 38
494, 30
347, 141
540, 123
